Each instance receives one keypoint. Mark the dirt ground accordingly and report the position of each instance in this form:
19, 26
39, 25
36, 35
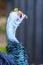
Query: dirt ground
3, 40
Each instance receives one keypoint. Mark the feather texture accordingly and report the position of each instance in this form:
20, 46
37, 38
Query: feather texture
16, 54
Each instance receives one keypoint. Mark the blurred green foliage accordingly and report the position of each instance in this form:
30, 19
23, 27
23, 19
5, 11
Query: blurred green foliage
2, 30
3, 49
2, 24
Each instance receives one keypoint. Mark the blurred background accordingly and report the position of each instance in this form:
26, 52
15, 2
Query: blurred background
30, 32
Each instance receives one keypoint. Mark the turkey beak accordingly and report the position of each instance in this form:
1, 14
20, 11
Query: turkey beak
26, 17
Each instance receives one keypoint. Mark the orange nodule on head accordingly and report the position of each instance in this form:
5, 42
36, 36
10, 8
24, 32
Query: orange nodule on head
20, 13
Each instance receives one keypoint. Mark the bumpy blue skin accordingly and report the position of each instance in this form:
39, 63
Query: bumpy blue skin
12, 24
16, 54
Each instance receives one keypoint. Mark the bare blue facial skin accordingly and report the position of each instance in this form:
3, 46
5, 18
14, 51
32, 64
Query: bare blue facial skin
12, 25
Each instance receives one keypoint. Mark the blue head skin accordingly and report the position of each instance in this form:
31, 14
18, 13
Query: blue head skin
12, 24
